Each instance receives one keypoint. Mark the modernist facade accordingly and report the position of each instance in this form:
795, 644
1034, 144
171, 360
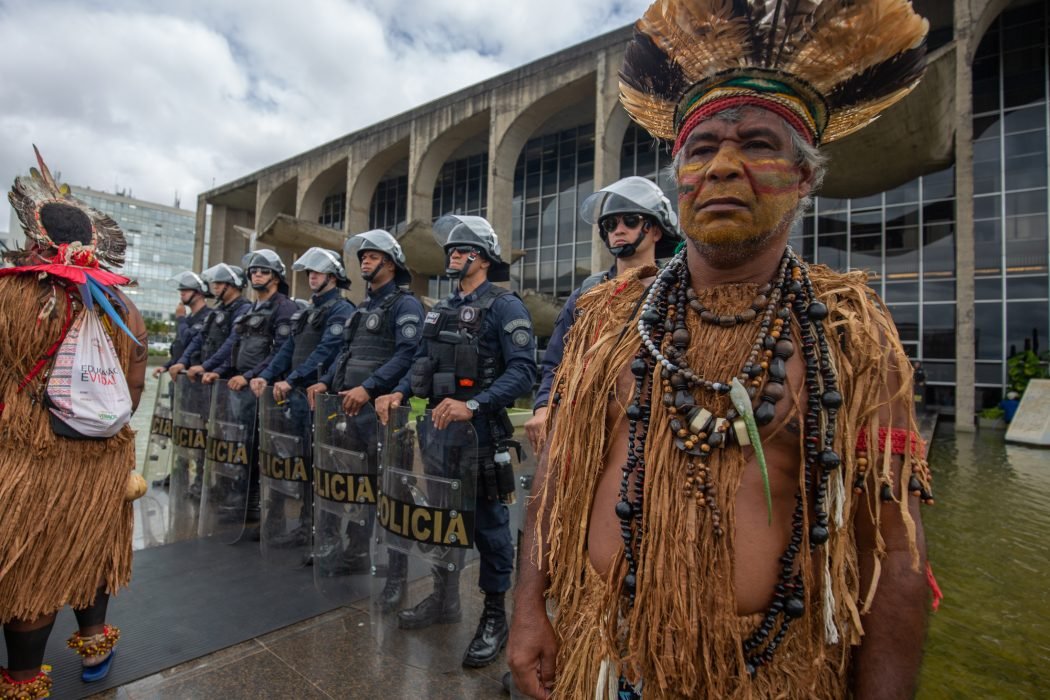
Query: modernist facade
160, 245
943, 201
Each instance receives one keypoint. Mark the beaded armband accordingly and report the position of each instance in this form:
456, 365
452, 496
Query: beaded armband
95, 645
39, 686
901, 442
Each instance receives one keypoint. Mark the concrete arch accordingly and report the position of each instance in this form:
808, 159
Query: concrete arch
430, 154
364, 179
331, 180
983, 15
506, 143
279, 200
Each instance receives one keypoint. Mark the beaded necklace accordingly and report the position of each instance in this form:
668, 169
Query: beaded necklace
698, 431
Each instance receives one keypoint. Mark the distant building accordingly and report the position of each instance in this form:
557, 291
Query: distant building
160, 245
944, 201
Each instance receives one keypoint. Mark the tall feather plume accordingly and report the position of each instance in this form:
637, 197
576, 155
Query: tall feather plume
852, 52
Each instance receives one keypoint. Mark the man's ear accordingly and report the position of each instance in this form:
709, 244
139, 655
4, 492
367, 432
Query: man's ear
805, 183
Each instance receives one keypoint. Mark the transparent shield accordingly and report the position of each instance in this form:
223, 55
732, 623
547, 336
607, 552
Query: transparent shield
346, 458
189, 436
152, 509
230, 493
285, 440
424, 601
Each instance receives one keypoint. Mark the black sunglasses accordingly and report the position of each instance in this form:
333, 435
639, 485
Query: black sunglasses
609, 223
463, 249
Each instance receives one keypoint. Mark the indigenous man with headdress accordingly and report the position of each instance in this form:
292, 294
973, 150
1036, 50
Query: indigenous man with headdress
728, 506
65, 532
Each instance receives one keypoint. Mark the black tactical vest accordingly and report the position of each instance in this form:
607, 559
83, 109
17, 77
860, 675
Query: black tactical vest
370, 342
219, 326
255, 331
456, 365
308, 325
194, 327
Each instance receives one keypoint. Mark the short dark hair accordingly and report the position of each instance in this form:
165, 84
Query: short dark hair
66, 224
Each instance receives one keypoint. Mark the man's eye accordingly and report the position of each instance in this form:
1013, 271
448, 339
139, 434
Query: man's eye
759, 144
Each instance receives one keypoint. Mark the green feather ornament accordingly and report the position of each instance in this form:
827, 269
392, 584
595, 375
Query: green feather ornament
742, 402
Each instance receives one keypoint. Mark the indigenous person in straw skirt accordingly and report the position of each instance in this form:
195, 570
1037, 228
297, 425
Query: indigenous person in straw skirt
65, 533
729, 502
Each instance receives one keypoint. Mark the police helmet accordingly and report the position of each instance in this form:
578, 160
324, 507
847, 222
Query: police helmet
192, 282
636, 195
268, 260
453, 230
380, 241
325, 261
226, 274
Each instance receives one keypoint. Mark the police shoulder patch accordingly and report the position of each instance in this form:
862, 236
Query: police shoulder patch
335, 329
521, 337
517, 323
409, 330
406, 318
283, 330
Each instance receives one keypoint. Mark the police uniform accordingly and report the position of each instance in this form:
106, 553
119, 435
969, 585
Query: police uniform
556, 345
257, 336
316, 336
212, 346
498, 367
186, 329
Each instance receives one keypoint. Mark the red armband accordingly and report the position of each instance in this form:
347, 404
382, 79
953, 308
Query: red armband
899, 439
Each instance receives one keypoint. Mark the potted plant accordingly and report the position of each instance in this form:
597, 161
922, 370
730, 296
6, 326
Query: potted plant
991, 418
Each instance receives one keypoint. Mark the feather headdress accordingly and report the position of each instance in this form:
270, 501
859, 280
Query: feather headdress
829, 67
31, 194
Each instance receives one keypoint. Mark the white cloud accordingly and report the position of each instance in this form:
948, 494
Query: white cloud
180, 96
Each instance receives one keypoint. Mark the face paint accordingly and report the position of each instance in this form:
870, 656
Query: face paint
758, 202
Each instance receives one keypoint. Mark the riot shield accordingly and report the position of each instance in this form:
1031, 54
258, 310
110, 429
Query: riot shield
425, 537
284, 469
188, 439
345, 491
152, 509
231, 492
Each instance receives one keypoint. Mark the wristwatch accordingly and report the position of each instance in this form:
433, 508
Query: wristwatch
473, 406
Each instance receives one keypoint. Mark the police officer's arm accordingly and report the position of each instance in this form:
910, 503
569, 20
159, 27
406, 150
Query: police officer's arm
328, 378
518, 344
555, 350
323, 356
282, 324
282, 360
182, 331
192, 348
408, 317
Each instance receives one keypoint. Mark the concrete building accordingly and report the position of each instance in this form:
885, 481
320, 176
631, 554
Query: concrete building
160, 245
944, 200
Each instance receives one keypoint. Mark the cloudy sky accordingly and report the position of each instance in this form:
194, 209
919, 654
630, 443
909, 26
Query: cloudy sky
159, 98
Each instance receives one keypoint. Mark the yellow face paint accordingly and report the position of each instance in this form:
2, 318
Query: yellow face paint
761, 192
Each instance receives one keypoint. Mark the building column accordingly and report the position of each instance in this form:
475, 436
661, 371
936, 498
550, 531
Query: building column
965, 355
606, 154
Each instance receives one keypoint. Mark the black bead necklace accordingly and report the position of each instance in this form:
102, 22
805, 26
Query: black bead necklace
697, 431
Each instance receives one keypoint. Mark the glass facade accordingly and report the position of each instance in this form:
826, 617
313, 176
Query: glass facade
1010, 194
389, 203
643, 155
160, 245
333, 211
554, 174
462, 187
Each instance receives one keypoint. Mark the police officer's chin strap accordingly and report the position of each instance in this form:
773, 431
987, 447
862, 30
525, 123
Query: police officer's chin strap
454, 274
627, 250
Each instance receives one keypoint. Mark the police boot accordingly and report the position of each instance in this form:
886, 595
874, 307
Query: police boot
491, 635
394, 590
441, 606
299, 537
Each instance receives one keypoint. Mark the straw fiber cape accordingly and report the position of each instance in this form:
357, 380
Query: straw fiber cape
65, 526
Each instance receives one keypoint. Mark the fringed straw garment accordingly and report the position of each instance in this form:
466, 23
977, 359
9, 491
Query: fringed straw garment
65, 525
682, 637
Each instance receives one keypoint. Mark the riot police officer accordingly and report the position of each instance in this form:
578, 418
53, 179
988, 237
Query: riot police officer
316, 336
211, 347
260, 332
257, 334
380, 342
476, 358
638, 226
193, 295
